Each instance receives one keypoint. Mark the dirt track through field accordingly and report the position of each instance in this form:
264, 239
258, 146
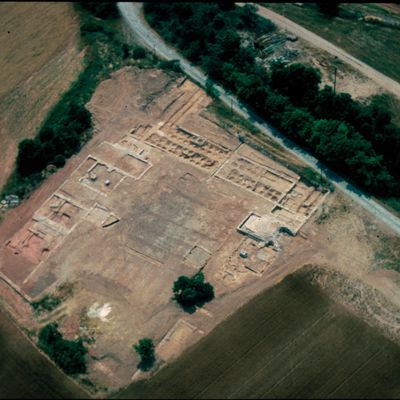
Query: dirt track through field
385, 82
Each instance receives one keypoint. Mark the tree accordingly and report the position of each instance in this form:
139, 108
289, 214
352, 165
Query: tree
145, 349
80, 115
101, 9
192, 292
31, 157
69, 355
298, 82
329, 9
138, 52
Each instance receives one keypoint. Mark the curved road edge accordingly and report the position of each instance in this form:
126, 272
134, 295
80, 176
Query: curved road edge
132, 14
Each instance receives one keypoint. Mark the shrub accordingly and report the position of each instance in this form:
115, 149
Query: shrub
47, 303
67, 354
101, 9
145, 349
59, 160
138, 52
30, 158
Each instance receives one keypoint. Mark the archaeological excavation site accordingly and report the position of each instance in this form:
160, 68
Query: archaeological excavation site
162, 190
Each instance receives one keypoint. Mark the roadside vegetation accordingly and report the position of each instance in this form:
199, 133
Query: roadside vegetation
192, 292
145, 349
68, 125
357, 140
69, 355
46, 303
367, 31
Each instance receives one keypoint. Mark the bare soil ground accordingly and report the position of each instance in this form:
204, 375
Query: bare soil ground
159, 192
40, 58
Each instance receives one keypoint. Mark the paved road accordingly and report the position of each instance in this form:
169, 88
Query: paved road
131, 12
382, 80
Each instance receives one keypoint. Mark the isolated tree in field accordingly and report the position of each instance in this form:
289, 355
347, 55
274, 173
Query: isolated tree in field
145, 349
192, 292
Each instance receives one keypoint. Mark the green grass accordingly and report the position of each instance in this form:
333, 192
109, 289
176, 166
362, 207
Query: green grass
374, 44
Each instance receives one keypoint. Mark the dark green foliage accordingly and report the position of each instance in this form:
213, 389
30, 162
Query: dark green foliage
296, 81
171, 65
67, 354
355, 139
138, 52
31, 157
101, 9
329, 9
145, 349
47, 303
55, 141
59, 160
68, 125
192, 292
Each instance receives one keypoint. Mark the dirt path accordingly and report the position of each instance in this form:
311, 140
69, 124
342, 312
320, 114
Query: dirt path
386, 83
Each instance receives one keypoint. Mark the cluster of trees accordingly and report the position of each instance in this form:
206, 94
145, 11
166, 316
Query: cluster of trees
192, 292
329, 9
145, 349
69, 355
358, 140
101, 9
55, 141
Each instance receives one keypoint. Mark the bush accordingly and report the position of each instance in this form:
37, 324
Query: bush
47, 303
67, 354
192, 292
145, 349
171, 65
101, 9
59, 160
30, 158
138, 52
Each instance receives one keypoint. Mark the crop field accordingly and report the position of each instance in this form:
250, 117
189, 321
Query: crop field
291, 341
40, 58
373, 43
25, 373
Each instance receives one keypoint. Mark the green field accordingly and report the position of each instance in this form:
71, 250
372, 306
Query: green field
26, 373
289, 342
375, 44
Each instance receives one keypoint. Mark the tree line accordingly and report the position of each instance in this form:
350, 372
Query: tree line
355, 139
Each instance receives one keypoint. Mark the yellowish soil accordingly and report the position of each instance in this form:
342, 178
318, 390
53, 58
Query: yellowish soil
40, 59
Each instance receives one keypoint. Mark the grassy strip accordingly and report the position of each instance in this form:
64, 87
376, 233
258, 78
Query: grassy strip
228, 119
370, 41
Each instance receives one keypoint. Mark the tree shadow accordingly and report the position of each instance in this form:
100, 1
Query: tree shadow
146, 364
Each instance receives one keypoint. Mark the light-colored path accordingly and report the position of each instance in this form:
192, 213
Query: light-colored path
132, 14
382, 80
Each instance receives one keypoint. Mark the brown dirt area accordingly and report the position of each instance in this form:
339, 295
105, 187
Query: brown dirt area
40, 58
160, 192
392, 7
